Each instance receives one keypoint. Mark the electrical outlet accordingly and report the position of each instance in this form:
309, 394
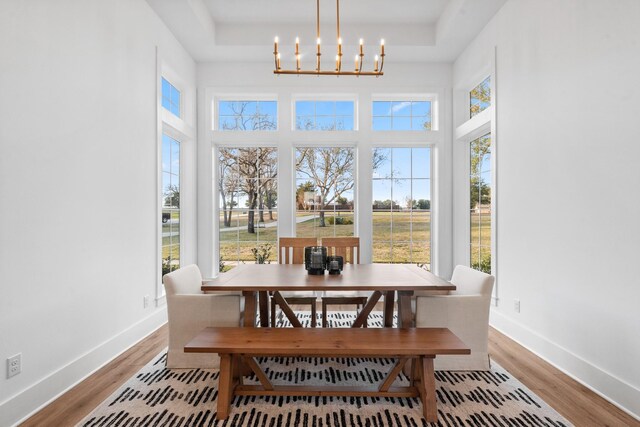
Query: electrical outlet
14, 365
146, 301
516, 305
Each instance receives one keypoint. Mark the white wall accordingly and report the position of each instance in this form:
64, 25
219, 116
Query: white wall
568, 176
217, 79
78, 184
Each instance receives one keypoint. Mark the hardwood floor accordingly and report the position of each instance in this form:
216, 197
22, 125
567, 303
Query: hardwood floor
574, 401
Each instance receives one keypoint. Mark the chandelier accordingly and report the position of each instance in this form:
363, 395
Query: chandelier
378, 61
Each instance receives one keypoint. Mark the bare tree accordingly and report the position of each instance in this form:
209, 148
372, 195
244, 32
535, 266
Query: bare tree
247, 170
330, 170
227, 183
244, 119
250, 171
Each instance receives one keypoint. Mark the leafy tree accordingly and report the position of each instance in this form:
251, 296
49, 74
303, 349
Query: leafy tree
385, 205
480, 97
423, 204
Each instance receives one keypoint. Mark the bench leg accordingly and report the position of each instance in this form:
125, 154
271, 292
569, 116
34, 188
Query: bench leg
428, 389
225, 386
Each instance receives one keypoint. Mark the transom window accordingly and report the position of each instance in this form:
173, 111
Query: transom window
325, 115
480, 190
480, 97
170, 204
247, 115
324, 191
402, 205
401, 115
248, 191
170, 98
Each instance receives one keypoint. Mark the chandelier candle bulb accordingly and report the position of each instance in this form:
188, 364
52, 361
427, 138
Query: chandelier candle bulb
375, 63
382, 47
275, 45
361, 47
340, 46
356, 64
297, 45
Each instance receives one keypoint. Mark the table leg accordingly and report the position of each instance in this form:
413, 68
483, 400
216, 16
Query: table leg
287, 310
264, 309
389, 297
428, 389
250, 306
364, 313
225, 386
405, 318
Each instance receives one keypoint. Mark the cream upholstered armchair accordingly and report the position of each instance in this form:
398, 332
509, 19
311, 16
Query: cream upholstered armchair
465, 312
190, 311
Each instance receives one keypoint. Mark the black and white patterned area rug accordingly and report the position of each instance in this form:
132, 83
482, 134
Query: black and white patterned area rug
157, 396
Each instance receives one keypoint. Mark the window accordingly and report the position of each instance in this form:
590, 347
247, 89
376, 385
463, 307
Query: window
170, 204
248, 189
402, 205
247, 115
324, 192
401, 115
324, 115
170, 98
480, 190
480, 97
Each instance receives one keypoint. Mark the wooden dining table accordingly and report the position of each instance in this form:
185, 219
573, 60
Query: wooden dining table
257, 281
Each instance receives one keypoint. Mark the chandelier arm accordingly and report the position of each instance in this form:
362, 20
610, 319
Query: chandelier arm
337, 19
318, 35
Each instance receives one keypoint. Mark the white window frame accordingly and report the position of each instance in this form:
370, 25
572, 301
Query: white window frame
215, 113
340, 144
286, 139
215, 150
182, 130
412, 97
467, 131
179, 89
431, 148
325, 97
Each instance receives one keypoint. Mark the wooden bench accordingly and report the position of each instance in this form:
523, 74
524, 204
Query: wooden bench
238, 346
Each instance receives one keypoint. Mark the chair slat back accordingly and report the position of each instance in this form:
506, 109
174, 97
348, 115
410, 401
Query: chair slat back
291, 249
346, 247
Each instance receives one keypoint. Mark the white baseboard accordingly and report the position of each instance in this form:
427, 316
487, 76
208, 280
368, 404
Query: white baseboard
615, 390
21, 406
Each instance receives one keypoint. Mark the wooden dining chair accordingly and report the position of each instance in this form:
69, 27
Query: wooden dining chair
349, 249
291, 251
